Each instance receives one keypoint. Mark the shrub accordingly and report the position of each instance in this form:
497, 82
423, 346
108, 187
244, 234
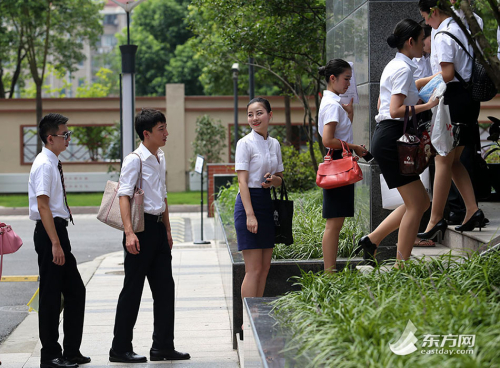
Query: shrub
210, 140
349, 319
299, 172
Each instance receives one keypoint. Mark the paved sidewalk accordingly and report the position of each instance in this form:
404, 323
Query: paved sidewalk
201, 322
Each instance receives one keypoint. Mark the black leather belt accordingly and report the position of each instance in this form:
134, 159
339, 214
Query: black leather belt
57, 221
155, 218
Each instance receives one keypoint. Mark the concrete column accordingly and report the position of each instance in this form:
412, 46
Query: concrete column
175, 149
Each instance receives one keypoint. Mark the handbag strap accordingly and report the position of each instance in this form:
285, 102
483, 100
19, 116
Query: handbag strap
407, 116
283, 191
459, 77
140, 171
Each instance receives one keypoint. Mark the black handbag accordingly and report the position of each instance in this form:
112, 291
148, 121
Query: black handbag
283, 217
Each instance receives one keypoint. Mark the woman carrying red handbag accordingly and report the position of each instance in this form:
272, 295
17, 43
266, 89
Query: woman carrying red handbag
334, 126
397, 91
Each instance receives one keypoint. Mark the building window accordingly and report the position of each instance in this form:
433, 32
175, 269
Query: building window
111, 19
108, 40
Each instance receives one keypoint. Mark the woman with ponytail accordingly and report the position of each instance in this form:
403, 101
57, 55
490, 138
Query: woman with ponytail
335, 124
397, 91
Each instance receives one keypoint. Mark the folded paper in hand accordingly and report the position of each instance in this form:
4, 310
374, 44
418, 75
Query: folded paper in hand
436, 84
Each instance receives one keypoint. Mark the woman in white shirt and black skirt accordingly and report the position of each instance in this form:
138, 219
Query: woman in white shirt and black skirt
397, 91
448, 58
335, 124
259, 166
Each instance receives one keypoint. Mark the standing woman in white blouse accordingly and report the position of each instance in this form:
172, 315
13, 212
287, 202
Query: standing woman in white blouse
449, 58
259, 166
335, 124
398, 91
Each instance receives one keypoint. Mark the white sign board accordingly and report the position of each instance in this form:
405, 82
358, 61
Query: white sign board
352, 91
198, 167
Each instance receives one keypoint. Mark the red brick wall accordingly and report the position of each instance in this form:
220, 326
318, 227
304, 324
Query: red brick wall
227, 168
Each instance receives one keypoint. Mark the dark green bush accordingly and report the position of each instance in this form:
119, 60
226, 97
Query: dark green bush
299, 172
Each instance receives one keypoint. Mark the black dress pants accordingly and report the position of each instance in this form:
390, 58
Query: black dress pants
55, 280
154, 262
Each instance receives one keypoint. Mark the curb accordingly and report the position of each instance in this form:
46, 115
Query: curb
174, 208
24, 338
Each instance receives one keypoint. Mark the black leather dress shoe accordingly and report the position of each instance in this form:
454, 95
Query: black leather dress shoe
155, 355
77, 359
127, 357
57, 363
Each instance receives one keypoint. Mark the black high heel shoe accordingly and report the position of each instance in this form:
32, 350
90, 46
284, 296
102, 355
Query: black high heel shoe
477, 219
369, 250
438, 230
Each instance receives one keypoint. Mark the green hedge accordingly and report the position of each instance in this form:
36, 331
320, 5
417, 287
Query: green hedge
349, 319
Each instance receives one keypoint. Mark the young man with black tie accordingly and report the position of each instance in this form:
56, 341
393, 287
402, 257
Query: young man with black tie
48, 206
148, 253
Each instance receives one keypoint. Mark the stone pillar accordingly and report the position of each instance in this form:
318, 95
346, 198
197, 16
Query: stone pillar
357, 31
175, 149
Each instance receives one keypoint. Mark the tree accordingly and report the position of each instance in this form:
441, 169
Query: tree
210, 140
53, 30
285, 37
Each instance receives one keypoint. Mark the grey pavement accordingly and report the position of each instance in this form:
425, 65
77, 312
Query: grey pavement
202, 325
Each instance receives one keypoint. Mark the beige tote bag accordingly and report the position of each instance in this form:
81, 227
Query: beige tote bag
109, 212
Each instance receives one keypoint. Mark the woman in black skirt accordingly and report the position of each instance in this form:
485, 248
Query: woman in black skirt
448, 58
334, 125
259, 166
397, 91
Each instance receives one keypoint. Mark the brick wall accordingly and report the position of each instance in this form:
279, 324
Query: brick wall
227, 168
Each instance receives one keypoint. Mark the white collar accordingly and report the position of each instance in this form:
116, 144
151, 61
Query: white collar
331, 94
407, 60
256, 136
145, 152
51, 155
444, 24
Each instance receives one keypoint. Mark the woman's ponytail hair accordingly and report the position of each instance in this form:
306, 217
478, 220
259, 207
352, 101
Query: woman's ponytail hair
405, 29
333, 67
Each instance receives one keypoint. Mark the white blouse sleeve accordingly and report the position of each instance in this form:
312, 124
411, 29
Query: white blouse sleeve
242, 156
447, 48
331, 114
401, 81
281, 168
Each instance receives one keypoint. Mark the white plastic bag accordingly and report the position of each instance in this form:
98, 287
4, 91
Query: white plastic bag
391, 199
441, 129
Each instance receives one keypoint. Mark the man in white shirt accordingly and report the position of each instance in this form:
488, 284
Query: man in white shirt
48, 206
148, 253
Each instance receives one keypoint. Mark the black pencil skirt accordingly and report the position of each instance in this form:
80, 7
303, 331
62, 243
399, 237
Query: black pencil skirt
385, 151
338, 202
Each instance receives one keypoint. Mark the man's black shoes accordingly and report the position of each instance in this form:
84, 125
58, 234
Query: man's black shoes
156, 355
127, 357
77, 359
57, 363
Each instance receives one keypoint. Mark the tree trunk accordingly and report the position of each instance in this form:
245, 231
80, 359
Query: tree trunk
39, 112
2, 88
288, 120
318, 103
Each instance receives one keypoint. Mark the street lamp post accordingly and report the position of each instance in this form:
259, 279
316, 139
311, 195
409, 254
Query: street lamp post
235, 69
127, 93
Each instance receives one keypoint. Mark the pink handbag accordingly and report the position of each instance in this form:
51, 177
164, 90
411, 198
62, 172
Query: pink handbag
10, 242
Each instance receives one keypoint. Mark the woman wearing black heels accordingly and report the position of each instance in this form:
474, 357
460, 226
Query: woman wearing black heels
448, 58
397, 91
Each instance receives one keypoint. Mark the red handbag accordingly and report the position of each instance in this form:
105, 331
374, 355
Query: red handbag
338, 173
10, 242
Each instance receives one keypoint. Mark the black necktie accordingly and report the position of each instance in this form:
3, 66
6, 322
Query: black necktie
59, 166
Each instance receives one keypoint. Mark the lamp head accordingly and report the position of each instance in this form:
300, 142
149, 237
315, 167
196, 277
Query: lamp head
235, 68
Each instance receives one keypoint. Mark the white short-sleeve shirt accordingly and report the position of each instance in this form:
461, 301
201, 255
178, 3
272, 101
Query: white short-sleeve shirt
45, 179
258, 156
445, 49
153, 178
330, 110
424, 69
397, 78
